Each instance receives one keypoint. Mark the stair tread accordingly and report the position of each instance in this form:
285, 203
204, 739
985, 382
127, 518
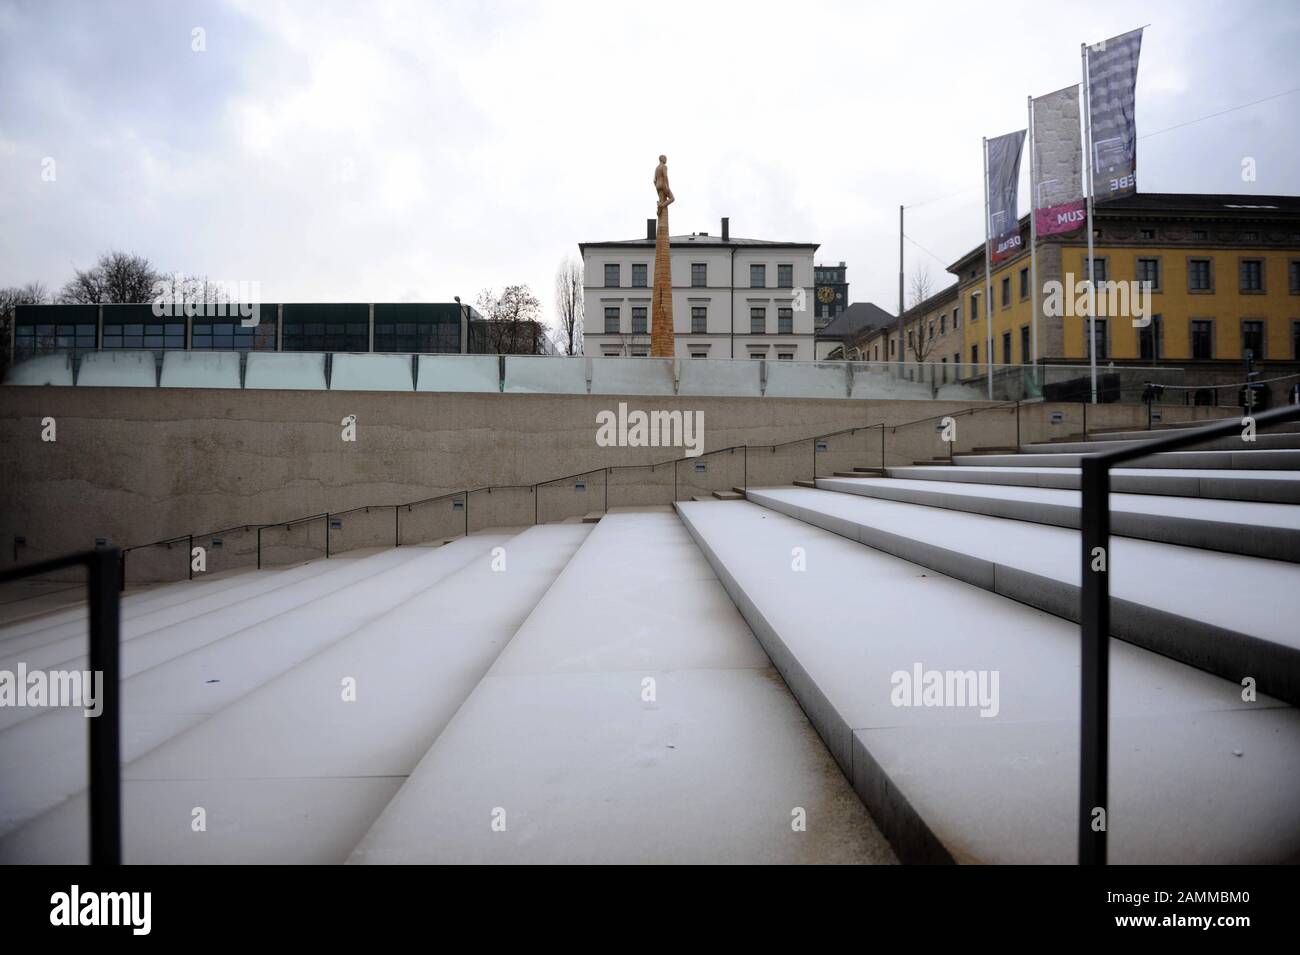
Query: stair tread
652, 778
1244, 513
1182, 581
172, 696
1019, 770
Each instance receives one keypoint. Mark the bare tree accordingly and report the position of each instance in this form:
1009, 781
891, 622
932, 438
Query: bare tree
117, 278
33, 293
569, 304
512, 321
921, 341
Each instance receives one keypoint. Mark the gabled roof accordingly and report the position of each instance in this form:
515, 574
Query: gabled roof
855, 320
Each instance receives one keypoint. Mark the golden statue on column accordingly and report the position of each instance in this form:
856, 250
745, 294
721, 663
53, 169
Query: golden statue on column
661, 313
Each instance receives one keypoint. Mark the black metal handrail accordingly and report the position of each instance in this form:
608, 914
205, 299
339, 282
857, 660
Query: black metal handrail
104, 611
674, 462
1094, 612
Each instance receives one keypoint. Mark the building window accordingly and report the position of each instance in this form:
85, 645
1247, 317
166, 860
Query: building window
1024, 345
1200, 235
956, 316
1149, 340
1200, 275
409, 328
892, 349
638, 275
699, 319
1252, 275
1250, 236
1148, 273
758, 321
611, 276
638, 320
1099, 337
46, 337
785, 356
1252, 339
1006, 291
640, 354
943, 323
233, 336
974, 354
1202, 339
611, 320
1295, 341
1294, 281
785, 321
699, 354
785, 276
758, 276
974, 306
1099, 266
1024, 284
1148, 233
756, 354
341, 327
145, 335
1006, 348
699, 274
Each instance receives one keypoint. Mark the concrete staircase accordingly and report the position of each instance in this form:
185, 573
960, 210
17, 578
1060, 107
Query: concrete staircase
975, 568
717, 682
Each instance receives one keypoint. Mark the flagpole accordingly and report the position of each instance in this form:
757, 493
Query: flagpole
1090, 264
1033, 245
988, 272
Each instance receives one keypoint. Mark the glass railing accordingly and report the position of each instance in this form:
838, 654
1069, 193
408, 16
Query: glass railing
561, 375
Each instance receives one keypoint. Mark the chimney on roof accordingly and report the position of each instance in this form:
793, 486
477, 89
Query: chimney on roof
726, 229
650, 229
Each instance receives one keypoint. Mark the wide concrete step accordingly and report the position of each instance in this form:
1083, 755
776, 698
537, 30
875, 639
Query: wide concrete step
206, 664
253, 592
1276, 487
147, 599
1265, 441
154, 638
1236, 527
299, 740
633, 718
1186, 603
1196, 774
1245, 460
1285, 427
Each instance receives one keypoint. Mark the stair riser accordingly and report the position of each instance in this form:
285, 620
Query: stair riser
1225, 653
1273, 543
1225, 460
1172, 485
1262, 442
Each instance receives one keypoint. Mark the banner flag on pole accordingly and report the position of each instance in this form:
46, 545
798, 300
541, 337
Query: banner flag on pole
1057, 163
1112, 87
1004, 185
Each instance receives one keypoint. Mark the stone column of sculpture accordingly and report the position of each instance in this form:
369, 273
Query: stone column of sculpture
661, 317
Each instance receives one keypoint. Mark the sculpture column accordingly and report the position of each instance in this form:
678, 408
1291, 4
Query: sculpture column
661, 312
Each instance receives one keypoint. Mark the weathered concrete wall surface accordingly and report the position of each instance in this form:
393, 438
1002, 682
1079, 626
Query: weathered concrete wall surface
138, 465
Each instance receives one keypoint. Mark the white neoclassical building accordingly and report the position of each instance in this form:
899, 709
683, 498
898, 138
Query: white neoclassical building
732, 298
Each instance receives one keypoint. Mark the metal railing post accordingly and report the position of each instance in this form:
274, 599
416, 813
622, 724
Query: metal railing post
327, 535
1094, 620
105, 755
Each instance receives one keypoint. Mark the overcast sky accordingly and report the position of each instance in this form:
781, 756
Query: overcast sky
411, 152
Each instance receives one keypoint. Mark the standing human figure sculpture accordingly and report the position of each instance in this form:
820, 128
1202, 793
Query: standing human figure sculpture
661, 184
661, 317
